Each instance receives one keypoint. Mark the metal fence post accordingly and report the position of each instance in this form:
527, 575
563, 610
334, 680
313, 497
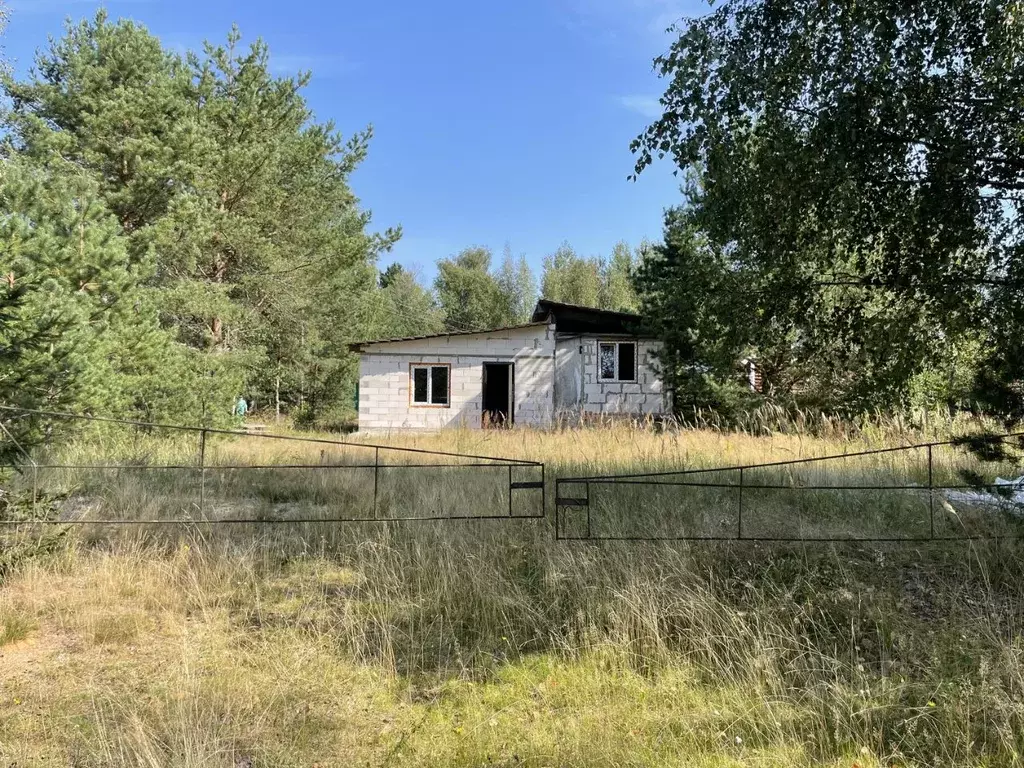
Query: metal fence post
558, 509
588, 510
202, 473
510, 490
739, 516
931, 495
376, 468
544, 498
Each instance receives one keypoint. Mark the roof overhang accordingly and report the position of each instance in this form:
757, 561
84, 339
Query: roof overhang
567, 318
575, 319
357, 346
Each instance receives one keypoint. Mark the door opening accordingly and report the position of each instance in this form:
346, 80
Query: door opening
498, 395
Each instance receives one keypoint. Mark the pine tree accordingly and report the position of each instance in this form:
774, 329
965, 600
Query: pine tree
691, 301
77, 333
107, 97
227, 188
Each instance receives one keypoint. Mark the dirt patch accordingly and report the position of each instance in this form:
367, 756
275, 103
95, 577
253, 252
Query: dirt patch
25, 658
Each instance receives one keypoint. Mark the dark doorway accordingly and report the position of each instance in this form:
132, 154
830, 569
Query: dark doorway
499, 389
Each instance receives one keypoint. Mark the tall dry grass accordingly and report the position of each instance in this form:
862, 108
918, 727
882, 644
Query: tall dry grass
488, 643
328, 481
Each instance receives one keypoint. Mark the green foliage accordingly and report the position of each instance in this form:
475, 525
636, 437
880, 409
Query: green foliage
951, 383
77, 331
468, 293
400, 307
858, 163
571, 278
690, 299
472, 297
518, 288
107, 98
591, 282
617, 290
393, 272
233, 203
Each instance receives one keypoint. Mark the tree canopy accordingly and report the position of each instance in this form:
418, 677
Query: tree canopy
591, 282
856, 176
182, 229
232, 202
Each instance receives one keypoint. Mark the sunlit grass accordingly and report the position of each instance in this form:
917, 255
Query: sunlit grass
368, 477
489, 643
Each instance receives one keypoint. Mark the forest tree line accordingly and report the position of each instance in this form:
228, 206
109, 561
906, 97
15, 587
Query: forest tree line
181, 229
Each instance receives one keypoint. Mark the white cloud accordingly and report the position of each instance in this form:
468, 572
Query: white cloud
648, 106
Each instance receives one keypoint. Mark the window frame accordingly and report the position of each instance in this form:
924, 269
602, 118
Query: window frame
618, 374
430, 385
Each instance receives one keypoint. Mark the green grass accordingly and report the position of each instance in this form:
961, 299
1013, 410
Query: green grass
488, 643
472, 650
14, 626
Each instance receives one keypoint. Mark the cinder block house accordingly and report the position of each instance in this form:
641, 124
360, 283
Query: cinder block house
567, 361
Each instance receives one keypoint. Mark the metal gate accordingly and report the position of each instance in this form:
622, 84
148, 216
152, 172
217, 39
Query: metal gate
912, 493
145, 473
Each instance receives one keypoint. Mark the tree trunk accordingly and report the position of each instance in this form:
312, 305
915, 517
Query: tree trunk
217, 331
277, 399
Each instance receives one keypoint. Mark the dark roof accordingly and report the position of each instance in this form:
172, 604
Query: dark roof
568, 318
355, 346
573, 318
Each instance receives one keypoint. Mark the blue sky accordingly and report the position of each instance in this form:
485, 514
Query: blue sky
495, 120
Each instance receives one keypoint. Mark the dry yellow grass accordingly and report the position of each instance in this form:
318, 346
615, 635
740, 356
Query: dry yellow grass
475, 644
619, 446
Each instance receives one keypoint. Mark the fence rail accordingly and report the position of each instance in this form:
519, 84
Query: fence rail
735, 503
898, 494
382, 483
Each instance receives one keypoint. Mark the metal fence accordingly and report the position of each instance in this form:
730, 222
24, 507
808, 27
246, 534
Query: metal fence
155, 474
914, 493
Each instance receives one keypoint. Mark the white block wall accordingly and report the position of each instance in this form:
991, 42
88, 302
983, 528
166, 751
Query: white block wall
384, 401
568, 374
578, 387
